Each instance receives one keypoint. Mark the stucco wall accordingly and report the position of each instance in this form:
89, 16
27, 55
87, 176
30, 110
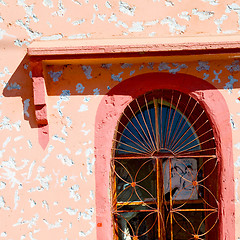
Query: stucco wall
51, 193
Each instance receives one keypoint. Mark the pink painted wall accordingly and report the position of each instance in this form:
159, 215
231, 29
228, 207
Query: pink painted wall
50, 194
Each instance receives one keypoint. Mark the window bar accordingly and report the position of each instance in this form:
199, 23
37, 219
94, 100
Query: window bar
179, 122
182, 127
149, 118
161, 118
153, 144
139, 124
149, 147
194, 133
123, 135
189, 127
171, 204
179, 98
156, 122
169, 116
160, 196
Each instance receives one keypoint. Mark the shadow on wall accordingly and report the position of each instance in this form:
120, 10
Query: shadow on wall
82, 80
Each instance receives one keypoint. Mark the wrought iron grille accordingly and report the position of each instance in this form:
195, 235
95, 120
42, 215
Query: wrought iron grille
164, 170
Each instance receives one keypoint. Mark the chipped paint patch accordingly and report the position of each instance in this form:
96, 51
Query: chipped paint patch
26, 106
203, 15
83, 108
80, 36
202, 66
212, 2
219, 22
71, 211
87, 71
48, 3
174, 27
78, 22
229, 85
136, 27
13, 86
126, 9
65, 160
55, 75
84, 234
73, 192
52, 37
217, 76
185, 15
117, 77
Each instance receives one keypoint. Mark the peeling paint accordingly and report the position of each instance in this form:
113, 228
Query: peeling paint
217, 76
219, 22
101, 16
126, 9
73, 193
233, 124
57, 224
83, 108
31, 33
52, 37
84, 234
136, 27
234, 67
30, 223
169, 3
61, 9
229, 85
71, 211
117, 77
26, 106
212, 2
96, 91
80, 88
2, 185
87, 71
185, 15
202, 66
203, 15
65, 160
236, 8
174, 27
78, 22
48, 3
55, 75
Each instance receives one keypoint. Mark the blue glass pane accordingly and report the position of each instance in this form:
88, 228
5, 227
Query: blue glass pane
174, 132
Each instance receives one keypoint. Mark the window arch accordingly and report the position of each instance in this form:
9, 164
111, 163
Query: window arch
163, 163
109, 112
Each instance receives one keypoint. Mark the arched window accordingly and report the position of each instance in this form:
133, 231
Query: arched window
164, 170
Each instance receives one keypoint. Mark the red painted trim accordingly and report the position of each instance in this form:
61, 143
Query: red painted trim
39, 94
109, 111
139, 45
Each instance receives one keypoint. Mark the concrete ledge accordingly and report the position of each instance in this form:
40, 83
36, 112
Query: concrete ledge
229, 43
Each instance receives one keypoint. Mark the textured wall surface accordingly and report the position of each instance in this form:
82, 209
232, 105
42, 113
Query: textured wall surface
50, 194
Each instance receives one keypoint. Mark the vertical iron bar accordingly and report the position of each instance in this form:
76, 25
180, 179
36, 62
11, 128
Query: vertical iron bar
169, 116
170, 203
156, 123
160, 196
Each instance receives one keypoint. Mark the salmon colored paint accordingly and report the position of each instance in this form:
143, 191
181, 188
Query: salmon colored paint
47, 172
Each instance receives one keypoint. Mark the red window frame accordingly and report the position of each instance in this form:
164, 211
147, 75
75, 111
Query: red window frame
115, 102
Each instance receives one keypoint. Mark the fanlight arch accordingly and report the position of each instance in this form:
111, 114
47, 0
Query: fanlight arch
164, 160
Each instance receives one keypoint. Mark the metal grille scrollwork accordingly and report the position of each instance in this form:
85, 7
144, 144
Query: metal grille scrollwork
164, 170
